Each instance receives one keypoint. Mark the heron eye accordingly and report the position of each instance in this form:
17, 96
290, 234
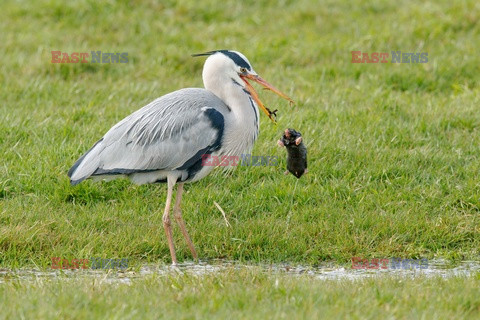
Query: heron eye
243, 70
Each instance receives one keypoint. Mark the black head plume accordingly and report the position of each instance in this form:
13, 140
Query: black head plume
209, 53
239, 61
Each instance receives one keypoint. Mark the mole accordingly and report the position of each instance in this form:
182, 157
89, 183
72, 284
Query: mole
296, 152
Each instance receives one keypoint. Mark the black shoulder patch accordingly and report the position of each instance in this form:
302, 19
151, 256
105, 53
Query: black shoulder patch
194, 164
218, 122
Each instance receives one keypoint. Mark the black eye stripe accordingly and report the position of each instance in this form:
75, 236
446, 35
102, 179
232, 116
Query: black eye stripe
239, 61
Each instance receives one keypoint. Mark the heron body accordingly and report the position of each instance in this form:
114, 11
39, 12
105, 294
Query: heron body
165, 140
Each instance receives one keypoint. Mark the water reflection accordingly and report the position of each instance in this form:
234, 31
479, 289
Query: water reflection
438, 267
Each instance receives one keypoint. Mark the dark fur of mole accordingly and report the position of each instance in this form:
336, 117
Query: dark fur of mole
296, 153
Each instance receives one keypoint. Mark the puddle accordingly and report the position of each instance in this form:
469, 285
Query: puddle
436, 268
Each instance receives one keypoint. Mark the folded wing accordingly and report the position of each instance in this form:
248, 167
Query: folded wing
170, 133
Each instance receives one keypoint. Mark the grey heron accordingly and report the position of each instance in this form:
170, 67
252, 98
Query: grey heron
165, 140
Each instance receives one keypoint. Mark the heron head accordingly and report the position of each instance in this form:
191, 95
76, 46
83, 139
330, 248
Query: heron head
236, 66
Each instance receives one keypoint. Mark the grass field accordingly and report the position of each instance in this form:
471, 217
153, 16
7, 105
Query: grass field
393, 148
247, 294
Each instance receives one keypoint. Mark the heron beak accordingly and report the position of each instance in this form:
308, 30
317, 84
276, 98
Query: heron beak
266, 85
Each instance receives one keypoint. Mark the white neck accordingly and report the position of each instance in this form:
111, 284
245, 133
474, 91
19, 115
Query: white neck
242, 124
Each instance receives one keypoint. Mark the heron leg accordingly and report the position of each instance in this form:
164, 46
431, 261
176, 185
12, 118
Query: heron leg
167, 225
178, 216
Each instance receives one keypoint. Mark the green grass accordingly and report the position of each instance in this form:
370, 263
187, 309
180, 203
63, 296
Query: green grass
243, 294
393, 148
393, 152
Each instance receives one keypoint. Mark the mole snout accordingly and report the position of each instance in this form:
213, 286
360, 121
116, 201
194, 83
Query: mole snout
296, 152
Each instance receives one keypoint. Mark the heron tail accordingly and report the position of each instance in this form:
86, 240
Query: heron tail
86, 165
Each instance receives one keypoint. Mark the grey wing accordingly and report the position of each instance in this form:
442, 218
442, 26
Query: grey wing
170, 133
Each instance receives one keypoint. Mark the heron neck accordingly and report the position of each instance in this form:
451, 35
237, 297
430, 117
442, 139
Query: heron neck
244, 116
235, 96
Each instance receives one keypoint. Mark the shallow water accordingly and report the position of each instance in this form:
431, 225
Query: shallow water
436, 268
